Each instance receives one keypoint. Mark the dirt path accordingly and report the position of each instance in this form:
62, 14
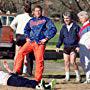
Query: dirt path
54, 70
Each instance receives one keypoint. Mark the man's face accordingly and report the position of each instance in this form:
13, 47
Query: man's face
37, 12
67, 20
83, 20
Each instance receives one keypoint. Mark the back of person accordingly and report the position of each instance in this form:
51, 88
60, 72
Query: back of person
18, 25
20, 21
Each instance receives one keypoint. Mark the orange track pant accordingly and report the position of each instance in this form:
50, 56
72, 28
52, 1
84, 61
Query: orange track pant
39, 56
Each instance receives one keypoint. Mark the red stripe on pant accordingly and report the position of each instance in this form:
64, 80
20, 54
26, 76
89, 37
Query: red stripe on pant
39, 56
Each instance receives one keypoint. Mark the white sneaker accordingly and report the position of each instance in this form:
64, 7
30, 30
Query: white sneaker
39, 87
64, 81
87, 82
78, 80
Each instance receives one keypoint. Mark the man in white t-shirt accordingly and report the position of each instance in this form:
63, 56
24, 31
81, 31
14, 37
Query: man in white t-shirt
18, 25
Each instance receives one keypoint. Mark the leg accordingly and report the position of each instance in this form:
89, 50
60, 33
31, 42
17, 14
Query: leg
39, 56
87, 69
16, 53
26, 48
17, 50
30, 58
73, 62
67, 66
24, 66
19, 81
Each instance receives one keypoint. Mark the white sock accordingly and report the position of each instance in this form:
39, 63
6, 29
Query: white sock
67, 75
77, 73
24, 68
88, 76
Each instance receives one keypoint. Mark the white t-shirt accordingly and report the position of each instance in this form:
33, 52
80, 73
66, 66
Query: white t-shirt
69, 26
4, 77
19, 23
85, 40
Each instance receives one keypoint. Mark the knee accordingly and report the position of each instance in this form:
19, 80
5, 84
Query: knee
67, 63
73, 62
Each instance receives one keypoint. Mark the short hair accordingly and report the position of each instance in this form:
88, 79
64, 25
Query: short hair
38, 6
27, 6
68, 13
83, 14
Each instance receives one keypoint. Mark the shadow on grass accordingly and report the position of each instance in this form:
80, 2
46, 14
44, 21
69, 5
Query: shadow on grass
60, 76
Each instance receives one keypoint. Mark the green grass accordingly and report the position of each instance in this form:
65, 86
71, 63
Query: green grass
58, 26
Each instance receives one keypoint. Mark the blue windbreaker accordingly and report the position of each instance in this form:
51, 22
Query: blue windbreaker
69, 38
39, 28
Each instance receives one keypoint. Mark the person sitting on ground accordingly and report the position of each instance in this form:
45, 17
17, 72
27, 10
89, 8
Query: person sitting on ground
12, 79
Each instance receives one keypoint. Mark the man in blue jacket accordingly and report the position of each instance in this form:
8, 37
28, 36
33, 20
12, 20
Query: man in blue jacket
37, 31
69, 36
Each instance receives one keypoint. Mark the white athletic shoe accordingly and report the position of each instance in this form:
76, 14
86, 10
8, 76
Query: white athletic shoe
78, 80
64, 81
87, 82
39, 87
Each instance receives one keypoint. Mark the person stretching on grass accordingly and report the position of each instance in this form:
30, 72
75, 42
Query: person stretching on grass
12, 79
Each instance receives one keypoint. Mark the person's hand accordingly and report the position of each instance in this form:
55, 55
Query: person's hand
27, 40
57, 49
43, 41
77, 49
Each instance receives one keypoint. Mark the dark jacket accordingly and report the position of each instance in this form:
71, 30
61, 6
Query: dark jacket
69, 38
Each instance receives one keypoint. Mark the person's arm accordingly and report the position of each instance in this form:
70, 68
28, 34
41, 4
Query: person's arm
78, 29
27, 30
51, 30
14, 23
60, 40
6, 66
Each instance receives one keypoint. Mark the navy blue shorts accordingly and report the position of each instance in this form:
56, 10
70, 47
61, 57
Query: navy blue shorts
20, 81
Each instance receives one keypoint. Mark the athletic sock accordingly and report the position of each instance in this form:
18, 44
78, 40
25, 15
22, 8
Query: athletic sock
77, 74
88, 76
67, 75
24, 68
